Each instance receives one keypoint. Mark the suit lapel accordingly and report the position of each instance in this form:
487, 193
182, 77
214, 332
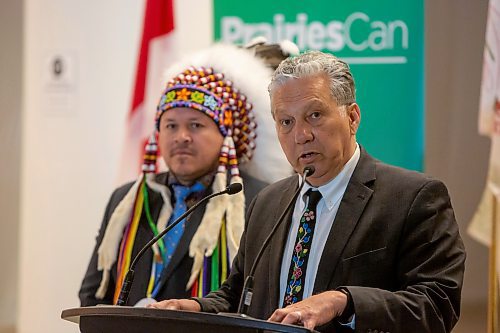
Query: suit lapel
278, 242
352, 205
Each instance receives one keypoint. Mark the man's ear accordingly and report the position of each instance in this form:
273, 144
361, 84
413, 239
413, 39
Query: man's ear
354, 115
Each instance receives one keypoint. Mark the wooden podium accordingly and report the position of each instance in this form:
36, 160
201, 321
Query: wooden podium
124, 319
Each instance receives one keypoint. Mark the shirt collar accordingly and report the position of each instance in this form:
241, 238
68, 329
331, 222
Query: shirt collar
334, 190
205, 180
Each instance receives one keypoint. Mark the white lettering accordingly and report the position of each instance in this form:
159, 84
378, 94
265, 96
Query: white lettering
315, 35
231, 31
255, 30
335, 31
404, 33
279, 19
380, 34
348, 24
301, 22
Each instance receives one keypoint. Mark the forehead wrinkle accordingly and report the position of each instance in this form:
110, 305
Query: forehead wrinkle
307, 105
315, 103
308, 94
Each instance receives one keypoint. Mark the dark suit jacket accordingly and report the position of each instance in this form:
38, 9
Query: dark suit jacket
179, 269
394, 244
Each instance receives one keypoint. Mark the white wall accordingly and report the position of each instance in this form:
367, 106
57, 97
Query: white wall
72, 136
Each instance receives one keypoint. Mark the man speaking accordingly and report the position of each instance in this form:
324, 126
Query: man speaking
366, 247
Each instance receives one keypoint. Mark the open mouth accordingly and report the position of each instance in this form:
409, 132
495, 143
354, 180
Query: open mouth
307, 156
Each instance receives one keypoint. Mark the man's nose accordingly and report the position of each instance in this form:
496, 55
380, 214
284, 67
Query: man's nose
183, 135
303, 133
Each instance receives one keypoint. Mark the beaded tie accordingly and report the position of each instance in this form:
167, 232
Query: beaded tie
300, 256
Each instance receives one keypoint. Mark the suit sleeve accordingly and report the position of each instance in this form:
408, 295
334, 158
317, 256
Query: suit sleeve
93, 277
227, 297
431, 258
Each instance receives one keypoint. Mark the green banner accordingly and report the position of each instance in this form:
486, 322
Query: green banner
381, 40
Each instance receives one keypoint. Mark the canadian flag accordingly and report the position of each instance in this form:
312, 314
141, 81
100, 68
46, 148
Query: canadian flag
157, 52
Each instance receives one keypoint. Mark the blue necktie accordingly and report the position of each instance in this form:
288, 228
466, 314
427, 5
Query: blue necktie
173, 237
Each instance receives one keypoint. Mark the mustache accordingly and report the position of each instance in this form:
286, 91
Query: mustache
182, 148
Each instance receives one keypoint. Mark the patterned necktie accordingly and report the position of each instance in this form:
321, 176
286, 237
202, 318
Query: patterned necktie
298, 265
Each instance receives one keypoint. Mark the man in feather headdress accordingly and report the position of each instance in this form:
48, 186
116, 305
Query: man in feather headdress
207, 134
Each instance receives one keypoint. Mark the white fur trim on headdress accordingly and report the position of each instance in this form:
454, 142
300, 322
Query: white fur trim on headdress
206, 236
235, 220
256, 41
289, 48
108, 250
166, 209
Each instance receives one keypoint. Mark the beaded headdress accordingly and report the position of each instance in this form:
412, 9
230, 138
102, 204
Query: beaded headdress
210, 92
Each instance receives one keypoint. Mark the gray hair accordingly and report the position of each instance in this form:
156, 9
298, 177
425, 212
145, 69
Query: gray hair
313, 62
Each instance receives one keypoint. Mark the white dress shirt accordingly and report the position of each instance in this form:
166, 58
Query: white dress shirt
327, 208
